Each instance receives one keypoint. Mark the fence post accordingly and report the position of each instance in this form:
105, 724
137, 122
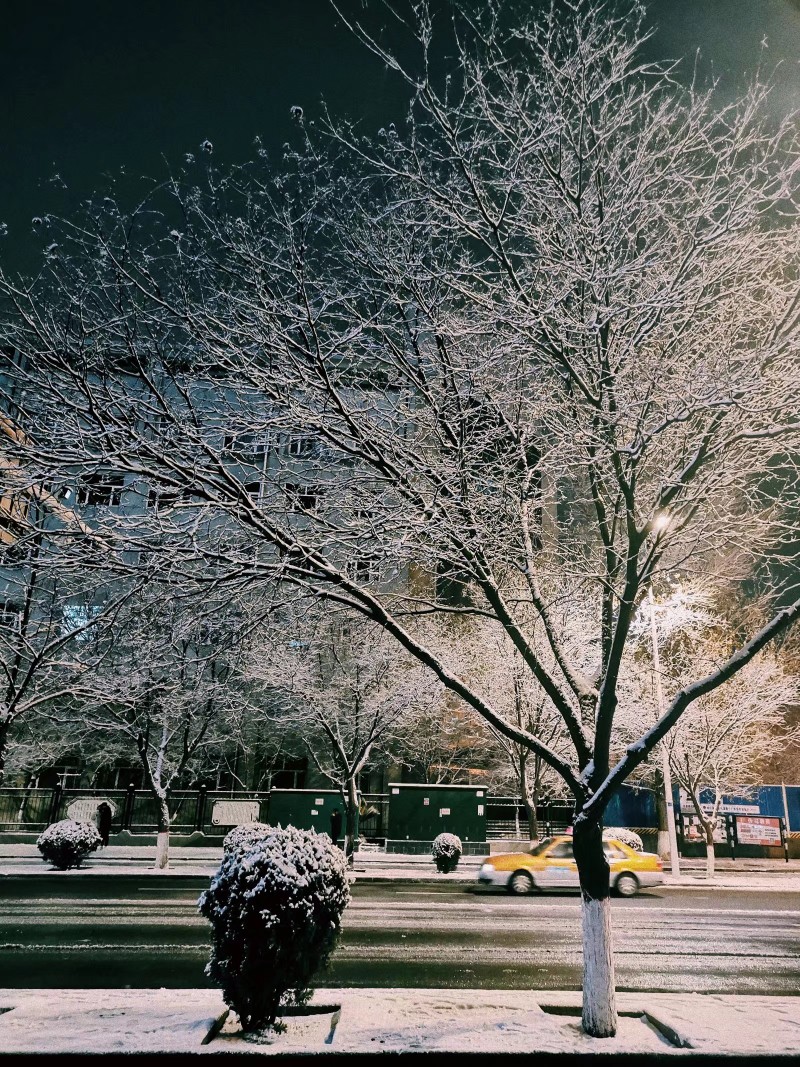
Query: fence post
200, 813
54, 803
127, 811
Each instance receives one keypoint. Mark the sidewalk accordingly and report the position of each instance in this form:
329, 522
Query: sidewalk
369, 1023
374, 866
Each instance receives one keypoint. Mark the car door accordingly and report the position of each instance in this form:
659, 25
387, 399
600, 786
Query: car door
560, 870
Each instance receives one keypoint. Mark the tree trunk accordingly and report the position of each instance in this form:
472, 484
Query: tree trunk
599, 999
529, 797
350, 820
162, 841
4, 725
533, 821
663, 846
529, 800
710, 853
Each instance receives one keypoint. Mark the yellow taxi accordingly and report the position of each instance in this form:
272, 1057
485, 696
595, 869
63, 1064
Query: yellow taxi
551, 865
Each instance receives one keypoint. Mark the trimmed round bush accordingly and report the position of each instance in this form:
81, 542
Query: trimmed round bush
66, 843
627, 837
446, 852
275, 908
245, 836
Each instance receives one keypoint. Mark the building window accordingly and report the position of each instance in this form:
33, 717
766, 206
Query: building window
365, 567
100, 489
160, 498
302, 498
79, 617
301, 445
10, 617
247, 446
254, 491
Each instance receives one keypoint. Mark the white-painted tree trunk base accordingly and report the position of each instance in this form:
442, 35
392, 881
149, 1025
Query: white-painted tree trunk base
710, 860
162, 850
662, 848
599, 997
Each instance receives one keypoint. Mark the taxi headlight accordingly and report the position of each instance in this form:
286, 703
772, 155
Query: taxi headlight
487, 866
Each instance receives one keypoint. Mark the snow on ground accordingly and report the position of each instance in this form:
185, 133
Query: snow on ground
396, 1020
106, 1020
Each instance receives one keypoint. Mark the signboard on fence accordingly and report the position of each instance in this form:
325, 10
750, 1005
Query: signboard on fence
234, 812
693, 830
758, 830
726, 807
84, 809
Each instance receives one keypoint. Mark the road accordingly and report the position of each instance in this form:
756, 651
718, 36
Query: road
132, 931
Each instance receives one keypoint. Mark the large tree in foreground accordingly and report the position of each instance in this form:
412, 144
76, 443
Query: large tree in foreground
528, 348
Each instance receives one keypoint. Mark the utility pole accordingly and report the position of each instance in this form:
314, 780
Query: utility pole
674, 859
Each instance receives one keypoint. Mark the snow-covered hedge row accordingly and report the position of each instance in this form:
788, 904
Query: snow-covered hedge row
446, 852
65, 843
275, 907
627, 837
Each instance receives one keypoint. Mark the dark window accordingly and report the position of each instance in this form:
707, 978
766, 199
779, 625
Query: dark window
164, 497
10, 617
249, 447
301, 445
452, 585
561, 851
365, 567
101, 489
302, 497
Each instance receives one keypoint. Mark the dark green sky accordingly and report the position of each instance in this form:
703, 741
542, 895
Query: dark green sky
92, 86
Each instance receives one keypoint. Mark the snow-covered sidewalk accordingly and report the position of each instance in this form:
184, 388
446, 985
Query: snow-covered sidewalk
398, 1020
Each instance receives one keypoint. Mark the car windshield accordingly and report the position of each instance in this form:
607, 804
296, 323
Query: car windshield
537, 850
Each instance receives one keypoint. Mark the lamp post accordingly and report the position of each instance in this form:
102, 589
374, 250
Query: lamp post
674, 859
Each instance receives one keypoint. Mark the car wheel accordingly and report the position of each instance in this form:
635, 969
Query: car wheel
520, 882
627, 885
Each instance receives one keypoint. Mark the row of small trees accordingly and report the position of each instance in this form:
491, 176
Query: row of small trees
170, 684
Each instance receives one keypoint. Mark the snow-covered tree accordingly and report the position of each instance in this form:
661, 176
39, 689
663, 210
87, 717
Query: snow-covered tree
727, 738
56, 599
541, 335
164, 695
345, 689
446, 742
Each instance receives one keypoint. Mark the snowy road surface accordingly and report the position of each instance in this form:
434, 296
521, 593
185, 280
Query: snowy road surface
141, 932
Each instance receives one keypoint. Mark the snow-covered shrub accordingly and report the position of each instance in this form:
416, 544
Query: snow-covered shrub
446, 852
627, 837
242, 837
275, 909
65, 843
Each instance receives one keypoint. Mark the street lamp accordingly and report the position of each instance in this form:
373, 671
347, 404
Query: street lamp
674, 859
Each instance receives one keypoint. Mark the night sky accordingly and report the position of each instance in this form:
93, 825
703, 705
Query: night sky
96, 85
